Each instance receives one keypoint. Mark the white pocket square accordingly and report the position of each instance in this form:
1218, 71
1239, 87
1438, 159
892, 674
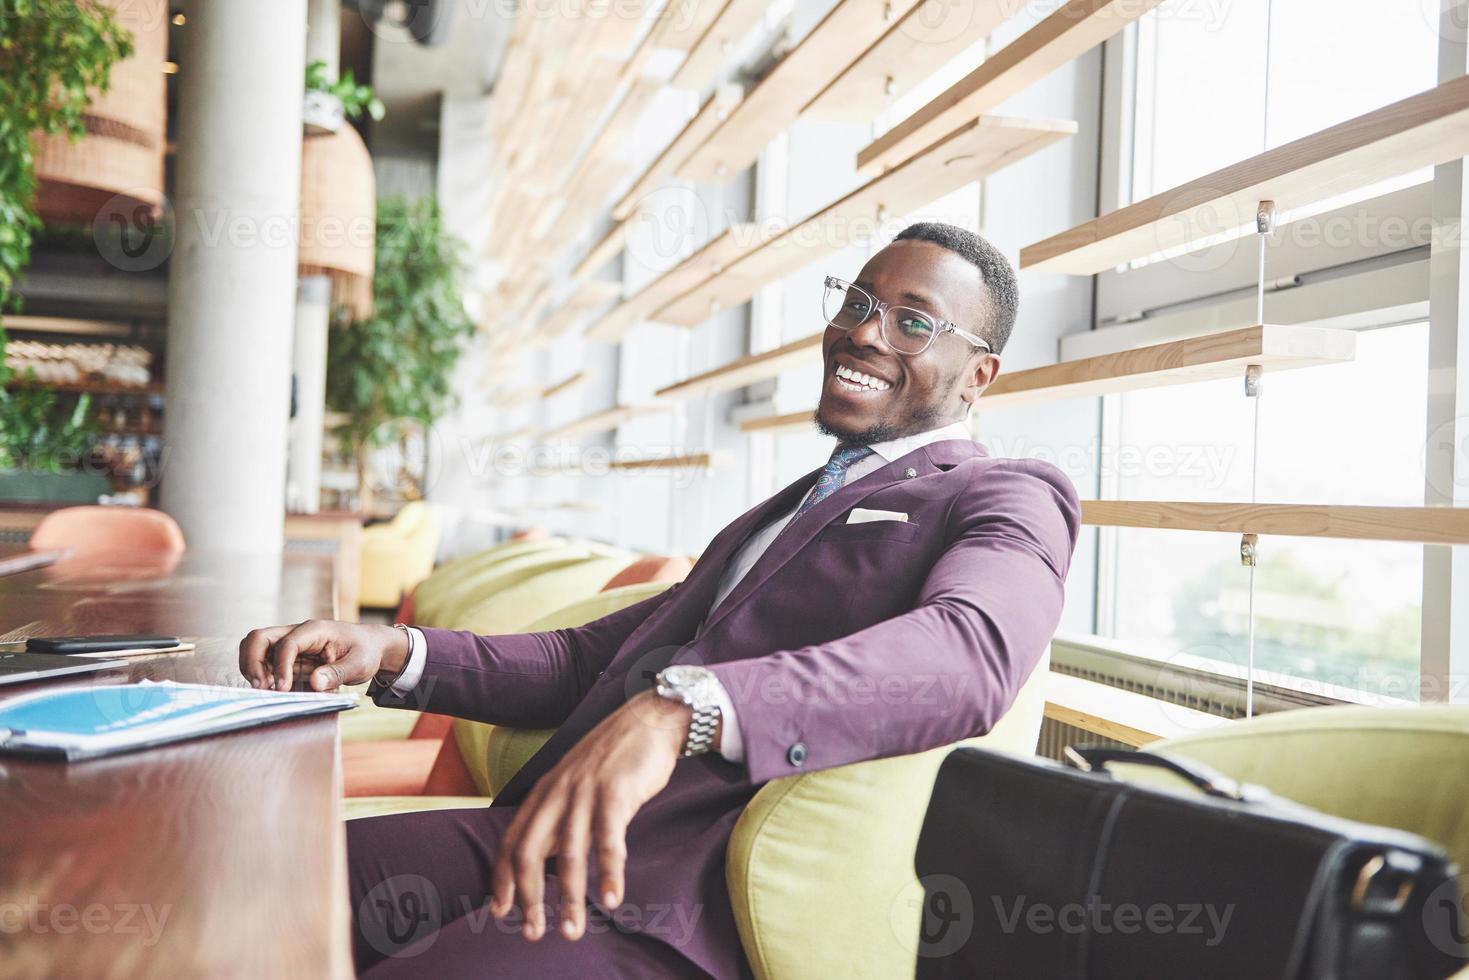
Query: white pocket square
861, 515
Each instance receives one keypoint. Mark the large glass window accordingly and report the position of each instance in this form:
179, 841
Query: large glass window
1217, 83
1329, 612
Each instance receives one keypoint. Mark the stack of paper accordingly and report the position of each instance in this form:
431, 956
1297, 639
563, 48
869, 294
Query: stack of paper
83, 723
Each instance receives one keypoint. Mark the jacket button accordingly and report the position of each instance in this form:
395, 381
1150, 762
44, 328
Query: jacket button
909, 473
797, 754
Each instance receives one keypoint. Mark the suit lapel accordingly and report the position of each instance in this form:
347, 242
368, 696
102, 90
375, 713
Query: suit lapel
800, 533
693, 599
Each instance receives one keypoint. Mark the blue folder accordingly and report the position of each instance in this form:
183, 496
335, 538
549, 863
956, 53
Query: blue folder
89, 722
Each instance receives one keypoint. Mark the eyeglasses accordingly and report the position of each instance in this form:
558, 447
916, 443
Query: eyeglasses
906, 330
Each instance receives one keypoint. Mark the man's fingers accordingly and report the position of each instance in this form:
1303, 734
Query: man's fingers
253, 650
310, 638
609, 839
528, 861
571, 866
326, 678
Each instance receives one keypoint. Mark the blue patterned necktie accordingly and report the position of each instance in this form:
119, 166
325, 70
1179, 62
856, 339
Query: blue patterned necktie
833, 476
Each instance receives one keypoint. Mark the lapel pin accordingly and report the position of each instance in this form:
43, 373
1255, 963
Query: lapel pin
909, 473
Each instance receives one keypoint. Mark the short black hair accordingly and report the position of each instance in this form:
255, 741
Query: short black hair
996, 271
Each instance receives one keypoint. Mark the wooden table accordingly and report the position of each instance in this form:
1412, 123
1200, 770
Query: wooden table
220, 857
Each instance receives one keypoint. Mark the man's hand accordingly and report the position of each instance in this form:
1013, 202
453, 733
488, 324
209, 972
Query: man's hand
331, 653
583, 805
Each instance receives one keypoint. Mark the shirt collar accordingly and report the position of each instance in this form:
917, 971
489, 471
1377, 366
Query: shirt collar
903, 445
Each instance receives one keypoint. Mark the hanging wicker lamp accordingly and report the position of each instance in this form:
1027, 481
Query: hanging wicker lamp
122, 154
339, 216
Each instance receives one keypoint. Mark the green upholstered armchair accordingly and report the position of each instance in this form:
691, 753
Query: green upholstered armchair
820, 866
1395, 767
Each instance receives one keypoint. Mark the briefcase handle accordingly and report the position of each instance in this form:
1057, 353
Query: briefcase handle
1095, 758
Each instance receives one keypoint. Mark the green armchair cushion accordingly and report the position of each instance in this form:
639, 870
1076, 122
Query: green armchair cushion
446, 578
820, 867
1396, 767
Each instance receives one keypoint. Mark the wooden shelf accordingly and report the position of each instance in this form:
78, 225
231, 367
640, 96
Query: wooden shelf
1426, 525
735, 20
975, 150
747, 370
1068, 33
586, 299
515, 397
789, 422
775, 102
708, 261
602, 421
929, 36
688, 461
1423, 130
710, 116
1206, 358
565, 384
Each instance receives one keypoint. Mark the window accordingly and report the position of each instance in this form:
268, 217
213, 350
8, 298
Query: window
1327, 612
1217, 83
1212, 85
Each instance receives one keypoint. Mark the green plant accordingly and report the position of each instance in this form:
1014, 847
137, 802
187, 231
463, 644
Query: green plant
395, 366
53, 53
355, 98
39, 434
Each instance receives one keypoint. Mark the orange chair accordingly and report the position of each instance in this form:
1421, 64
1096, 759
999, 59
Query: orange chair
94, 529
651, 568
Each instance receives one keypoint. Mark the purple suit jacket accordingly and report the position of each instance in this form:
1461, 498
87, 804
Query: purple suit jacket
845, 642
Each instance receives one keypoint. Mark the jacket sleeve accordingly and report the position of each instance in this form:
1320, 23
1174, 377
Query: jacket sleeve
524, 680
946, 670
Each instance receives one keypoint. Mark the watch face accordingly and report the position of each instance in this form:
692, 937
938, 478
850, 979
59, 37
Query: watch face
684, 675
689, 683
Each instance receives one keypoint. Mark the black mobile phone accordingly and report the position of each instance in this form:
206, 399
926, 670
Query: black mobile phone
98, 644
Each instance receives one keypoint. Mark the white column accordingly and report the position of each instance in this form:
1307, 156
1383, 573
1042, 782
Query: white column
313, 308
232, 286
324, 34
308, 360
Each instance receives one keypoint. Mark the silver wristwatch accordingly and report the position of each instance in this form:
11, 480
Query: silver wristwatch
698, 688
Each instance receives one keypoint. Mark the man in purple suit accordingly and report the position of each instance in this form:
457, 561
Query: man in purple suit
892, 601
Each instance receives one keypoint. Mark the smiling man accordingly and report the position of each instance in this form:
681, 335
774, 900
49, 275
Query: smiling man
912, 563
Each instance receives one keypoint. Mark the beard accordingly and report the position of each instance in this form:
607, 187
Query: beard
927, 417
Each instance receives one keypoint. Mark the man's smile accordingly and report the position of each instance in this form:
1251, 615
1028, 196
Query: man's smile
848, 376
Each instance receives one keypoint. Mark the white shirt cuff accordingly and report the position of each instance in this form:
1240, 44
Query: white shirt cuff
413, 670
731, 745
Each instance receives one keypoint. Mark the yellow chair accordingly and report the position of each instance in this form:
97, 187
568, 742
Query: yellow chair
398, 555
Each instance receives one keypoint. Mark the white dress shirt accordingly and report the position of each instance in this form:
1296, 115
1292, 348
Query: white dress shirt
731, 744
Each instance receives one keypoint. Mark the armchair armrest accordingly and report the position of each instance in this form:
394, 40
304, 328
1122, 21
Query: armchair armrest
830, 855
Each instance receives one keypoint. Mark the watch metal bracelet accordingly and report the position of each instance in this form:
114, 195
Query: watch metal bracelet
702, 728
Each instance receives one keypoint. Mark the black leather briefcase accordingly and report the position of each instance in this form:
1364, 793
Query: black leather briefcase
1032, 869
